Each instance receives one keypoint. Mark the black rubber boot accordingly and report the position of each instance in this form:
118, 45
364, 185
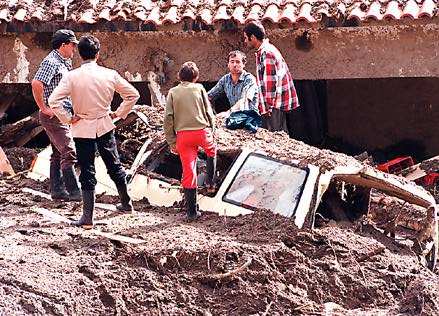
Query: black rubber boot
57, 191
71, 183
190, 197
88, 207
125, 204
211, 171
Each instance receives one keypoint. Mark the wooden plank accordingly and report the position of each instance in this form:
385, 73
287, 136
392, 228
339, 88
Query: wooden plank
104, 206
107, 207
57, 218
52, 216
140, 159
415, 174
11, 132
5, 165
23, 140
37, 193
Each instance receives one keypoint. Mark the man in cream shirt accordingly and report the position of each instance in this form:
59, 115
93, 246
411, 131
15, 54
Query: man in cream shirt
91, 88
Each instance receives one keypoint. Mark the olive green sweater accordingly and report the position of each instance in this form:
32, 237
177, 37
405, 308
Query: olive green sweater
187, 108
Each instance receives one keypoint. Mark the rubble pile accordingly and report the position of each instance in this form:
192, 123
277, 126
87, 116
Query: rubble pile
277, 144
258, 264
21, 158
217, 266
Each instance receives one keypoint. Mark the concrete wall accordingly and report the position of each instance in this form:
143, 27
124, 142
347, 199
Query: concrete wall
358, 52
398, 115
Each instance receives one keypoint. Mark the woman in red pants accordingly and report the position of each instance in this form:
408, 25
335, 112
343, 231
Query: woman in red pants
189, 123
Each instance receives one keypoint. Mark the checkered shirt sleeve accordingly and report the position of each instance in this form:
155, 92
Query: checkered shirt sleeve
49, 74
276, 87
46, 72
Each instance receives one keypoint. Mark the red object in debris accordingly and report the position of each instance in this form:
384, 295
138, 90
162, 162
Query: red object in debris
429, 179
395, 166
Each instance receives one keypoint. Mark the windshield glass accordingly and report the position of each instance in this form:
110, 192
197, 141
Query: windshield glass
265, 183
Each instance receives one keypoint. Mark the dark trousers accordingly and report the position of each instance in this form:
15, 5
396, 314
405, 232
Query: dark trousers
276, 122
107, 148
63, 150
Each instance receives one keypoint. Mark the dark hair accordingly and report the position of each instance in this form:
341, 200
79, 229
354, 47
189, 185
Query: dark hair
57, 43
88, 47
255, 28
188, 71
238, 53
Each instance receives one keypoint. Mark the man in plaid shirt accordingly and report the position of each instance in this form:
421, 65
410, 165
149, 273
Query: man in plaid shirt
49, 74
277, 94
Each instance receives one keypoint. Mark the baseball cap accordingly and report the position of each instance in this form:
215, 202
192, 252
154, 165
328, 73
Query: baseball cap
64, 36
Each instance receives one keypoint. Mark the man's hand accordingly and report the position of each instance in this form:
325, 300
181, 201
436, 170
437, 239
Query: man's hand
174, 150
75, 118
223, 114
47, 111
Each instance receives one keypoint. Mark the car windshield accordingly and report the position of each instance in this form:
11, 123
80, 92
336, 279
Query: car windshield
264, 183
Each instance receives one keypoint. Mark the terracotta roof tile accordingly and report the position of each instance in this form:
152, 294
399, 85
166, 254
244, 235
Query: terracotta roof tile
305, 13
411, 9
427, 9
238, 13
159, 12
374, 11
289, 13
393, 11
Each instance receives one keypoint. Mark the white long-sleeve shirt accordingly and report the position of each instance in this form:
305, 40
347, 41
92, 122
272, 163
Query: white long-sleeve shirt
91, 88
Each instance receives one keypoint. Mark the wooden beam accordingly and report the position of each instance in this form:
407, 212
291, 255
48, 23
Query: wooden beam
23, 140
104, 206
12, 132
57, 218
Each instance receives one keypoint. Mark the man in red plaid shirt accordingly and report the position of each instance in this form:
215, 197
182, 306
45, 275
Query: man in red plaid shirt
277, 94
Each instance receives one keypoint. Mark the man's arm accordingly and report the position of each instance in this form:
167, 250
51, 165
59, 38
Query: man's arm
251, 93
267, 75
129, 95
168, 123
57, 97
217, 89
38, 93
44, 76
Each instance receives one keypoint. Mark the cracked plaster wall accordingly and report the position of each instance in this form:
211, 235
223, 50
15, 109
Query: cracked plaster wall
362, 52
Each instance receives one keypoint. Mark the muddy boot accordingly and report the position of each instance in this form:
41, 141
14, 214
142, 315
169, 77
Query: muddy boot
88, 206
190, 197
71, 183
57, 191
211, 170
125, 204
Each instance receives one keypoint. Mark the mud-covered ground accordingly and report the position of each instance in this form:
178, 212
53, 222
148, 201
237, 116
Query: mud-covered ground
50, 268
258, 264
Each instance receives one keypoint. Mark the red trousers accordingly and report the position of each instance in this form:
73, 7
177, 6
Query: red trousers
188, 143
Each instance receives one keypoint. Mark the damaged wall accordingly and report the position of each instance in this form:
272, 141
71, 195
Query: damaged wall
359, 52
397, 116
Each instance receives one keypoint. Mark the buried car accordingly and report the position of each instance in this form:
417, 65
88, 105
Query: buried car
255, 180
309, 185
271, 171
